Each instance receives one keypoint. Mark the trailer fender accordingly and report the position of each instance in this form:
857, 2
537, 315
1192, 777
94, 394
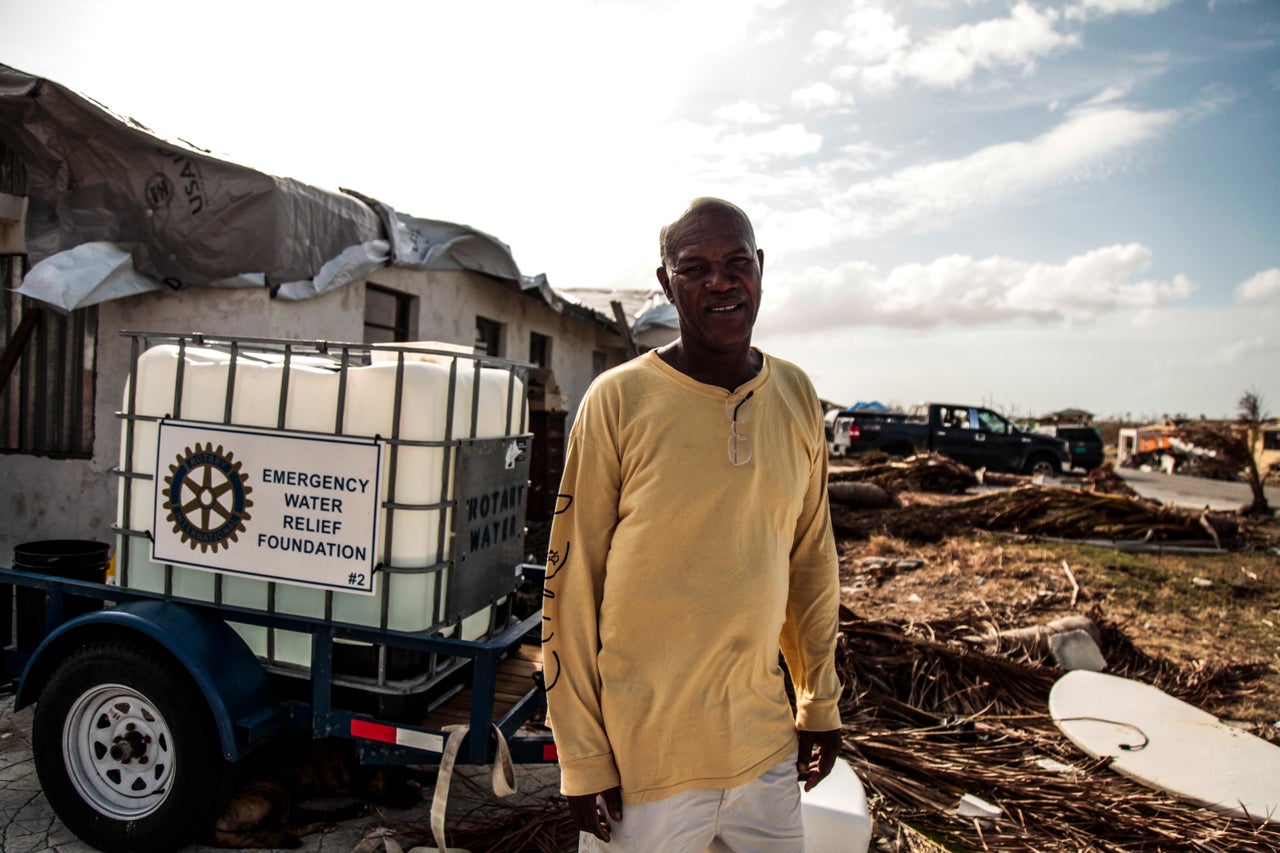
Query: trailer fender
218, 659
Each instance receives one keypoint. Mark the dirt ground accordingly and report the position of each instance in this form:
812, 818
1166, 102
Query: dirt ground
938, 710
1189, 610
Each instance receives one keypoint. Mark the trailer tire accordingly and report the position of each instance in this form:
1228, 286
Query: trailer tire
127, 751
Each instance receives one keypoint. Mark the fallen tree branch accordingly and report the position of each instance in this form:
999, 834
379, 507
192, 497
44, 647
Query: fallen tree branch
864, 495
1127, 546
1075, 587
1034, 639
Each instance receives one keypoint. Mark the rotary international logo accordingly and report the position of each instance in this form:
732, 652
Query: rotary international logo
206, 496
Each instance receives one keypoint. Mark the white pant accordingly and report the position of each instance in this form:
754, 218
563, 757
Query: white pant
762, 816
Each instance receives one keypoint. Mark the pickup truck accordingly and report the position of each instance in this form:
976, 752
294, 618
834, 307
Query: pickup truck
977, 437
854, 430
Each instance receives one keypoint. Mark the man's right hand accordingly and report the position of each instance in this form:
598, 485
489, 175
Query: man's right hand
592, 812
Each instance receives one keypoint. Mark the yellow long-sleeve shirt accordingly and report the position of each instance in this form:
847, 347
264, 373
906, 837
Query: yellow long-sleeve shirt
674, 578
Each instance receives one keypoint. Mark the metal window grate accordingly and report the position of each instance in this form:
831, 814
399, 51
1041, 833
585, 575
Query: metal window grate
48, 374
46, 362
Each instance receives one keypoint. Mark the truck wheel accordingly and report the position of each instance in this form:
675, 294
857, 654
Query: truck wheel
126, 749
1045, 466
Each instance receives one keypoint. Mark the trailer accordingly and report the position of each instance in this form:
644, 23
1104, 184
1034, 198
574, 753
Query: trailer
312, 536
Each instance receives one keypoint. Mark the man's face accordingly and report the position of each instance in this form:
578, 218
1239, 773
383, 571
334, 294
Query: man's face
713, 278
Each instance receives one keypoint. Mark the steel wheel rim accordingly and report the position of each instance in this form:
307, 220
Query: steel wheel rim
118, 751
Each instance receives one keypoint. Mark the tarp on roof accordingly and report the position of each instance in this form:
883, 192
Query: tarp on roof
662, 316
115, 210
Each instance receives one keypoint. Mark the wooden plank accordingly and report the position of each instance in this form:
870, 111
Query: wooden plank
512, 682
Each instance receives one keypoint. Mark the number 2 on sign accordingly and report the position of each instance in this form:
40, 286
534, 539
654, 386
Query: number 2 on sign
355, 579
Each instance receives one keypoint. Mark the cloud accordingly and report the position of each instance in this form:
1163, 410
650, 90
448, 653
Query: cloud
862, 156
961, 291
1240, 350
1088, 10
784, 142
1262, 287
869, 36
881, 54
808, 204
1108, 95
1085, 146
1191, 361
744, 112
819, 97
718, 153
875, 49
953, 57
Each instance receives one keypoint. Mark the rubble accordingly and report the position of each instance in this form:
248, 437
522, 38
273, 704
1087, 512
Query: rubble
1045, 511
924, 472
861, 495
930, 719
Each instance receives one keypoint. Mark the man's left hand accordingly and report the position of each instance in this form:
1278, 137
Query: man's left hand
818, 751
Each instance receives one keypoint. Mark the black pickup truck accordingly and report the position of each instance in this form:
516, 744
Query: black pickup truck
977, 437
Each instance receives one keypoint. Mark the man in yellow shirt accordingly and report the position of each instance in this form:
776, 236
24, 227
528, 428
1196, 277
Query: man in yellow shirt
692, 543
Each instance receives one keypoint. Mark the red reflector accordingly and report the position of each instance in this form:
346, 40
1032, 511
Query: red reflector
855, 432
373, 731
549, 753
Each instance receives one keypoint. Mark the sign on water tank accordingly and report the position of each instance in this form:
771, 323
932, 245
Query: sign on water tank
276, 505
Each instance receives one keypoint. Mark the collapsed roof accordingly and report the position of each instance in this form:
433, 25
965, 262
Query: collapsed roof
114, 210
653, 320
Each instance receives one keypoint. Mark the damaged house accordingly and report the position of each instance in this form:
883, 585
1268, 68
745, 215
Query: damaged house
105, 227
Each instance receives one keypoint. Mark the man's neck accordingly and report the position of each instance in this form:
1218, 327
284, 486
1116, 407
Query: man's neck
726, 370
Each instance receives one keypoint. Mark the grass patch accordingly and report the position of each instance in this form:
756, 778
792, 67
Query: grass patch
1188, 609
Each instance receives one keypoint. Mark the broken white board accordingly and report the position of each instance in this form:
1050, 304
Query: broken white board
1168, 744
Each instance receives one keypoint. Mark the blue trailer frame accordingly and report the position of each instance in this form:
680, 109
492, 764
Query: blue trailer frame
119, 668
239, 690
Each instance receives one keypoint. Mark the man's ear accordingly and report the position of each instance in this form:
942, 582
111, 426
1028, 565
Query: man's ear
666, 283
760, 258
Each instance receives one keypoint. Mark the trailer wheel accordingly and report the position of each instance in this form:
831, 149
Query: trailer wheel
126, 749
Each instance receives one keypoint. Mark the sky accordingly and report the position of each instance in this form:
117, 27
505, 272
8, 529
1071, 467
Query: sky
1025, 205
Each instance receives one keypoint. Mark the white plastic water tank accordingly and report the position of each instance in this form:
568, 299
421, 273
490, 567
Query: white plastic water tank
311, 402
835, 814
203, 395
312, 405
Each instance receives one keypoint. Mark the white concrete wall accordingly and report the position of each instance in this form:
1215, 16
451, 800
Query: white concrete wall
76, 498
450, 302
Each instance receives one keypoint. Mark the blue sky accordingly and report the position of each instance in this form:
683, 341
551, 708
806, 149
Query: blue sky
1029, 205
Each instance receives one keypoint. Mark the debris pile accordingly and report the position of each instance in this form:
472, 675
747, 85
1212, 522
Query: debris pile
958, 752
924, 472
946, 718
1044, 512
499, 827
1104, 479
1225, 451
861, 495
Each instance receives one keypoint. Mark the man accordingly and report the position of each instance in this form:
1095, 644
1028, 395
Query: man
692, 543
